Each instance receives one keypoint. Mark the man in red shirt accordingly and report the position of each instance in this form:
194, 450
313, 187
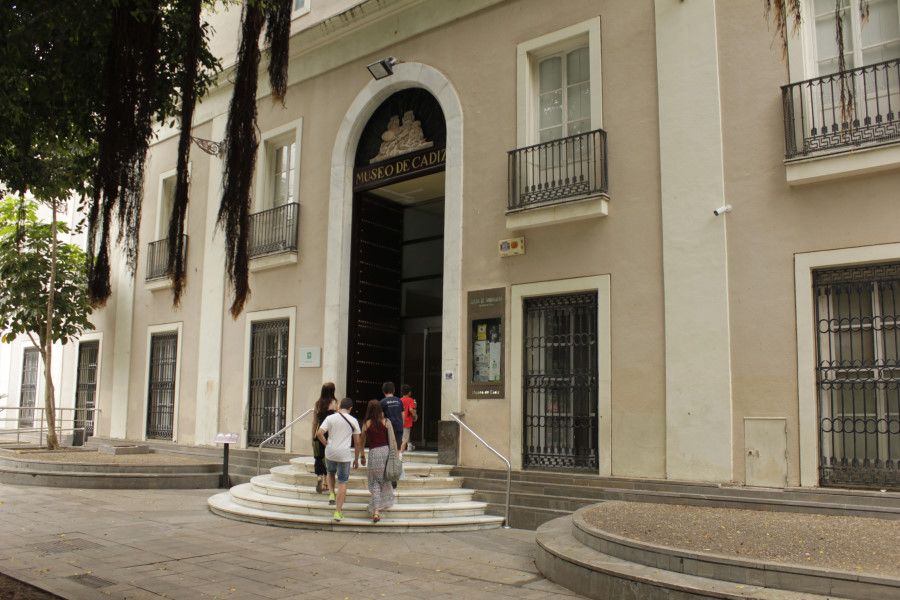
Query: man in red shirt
409, 415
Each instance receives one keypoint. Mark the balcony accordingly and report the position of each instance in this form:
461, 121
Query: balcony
842, 114
272, 232
158, 261
562, 180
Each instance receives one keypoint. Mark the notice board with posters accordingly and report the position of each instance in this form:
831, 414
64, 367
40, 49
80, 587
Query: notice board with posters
486, 337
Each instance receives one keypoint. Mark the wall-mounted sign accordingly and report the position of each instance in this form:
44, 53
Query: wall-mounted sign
485, 348
310, 356
511, 247
407, 166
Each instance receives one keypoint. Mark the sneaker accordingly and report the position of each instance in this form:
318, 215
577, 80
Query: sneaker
319, 486
338, 515
331, 498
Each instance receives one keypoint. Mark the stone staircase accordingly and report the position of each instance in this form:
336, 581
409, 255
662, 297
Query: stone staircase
428, 498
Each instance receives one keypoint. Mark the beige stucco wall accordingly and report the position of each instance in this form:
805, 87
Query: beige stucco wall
603, 246
154, 307
772, 221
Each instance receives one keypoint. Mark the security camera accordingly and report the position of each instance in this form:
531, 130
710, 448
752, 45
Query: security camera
722, 210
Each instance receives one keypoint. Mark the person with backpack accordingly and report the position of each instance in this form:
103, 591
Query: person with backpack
342, 447
378, 437
393, 411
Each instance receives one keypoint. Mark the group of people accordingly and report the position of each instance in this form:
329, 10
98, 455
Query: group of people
339, 444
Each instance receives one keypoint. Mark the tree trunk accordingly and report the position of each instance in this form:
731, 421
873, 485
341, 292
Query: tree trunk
49, 407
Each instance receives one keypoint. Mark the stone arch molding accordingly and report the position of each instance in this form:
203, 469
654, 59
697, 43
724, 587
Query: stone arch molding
337, 276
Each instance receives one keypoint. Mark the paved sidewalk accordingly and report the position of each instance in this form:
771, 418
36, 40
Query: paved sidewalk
140, 544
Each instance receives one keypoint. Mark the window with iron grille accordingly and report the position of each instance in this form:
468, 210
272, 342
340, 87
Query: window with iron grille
86, 386
28, 389
268, 381
560, 382
161, 393
858, 375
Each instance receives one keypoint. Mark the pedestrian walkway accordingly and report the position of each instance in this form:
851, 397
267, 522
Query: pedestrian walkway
88, 544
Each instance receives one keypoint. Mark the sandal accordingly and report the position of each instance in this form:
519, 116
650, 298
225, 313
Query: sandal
319, 486
376, 517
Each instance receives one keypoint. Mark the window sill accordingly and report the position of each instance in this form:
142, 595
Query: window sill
846, 164
593, 207
160, 283
272, 261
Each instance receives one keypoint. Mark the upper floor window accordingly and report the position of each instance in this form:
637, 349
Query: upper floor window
166, 202
564, 91
278, 167
873, 40
559, 84
301, 7
284, 173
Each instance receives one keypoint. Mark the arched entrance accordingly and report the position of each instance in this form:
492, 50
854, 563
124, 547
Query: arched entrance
346, 215
396, 257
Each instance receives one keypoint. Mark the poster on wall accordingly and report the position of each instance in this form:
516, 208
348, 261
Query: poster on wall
486, 338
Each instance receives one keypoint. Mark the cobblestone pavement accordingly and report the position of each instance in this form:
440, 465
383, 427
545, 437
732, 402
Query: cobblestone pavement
139, 544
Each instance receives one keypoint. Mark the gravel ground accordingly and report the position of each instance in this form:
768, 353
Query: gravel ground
852, 544
95, 458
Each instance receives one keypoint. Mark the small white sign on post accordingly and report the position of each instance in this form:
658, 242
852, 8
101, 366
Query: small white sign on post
226, 438
310, 356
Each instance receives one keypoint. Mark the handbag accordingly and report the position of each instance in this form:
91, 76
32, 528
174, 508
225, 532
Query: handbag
318, 449
393, 466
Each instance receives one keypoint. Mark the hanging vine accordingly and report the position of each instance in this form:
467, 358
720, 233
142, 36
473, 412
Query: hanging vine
176, 256
241, 133
129, 83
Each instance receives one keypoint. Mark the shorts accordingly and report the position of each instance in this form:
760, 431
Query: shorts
406, 431
341, 469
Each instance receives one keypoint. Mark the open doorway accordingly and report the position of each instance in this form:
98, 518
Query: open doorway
397, 258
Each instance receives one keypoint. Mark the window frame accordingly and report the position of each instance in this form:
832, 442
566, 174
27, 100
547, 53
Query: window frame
162, 225
289, 313
152, 330
803, 50
528, 56
265, 162
296, 13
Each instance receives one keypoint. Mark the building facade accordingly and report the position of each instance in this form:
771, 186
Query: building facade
623, 238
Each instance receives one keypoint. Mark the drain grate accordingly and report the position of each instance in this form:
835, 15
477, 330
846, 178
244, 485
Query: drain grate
91, 580
60, 546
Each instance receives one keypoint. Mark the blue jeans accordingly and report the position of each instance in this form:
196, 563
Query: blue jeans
342, 469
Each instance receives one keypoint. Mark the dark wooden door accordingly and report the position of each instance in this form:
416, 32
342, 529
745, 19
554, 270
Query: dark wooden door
375, 333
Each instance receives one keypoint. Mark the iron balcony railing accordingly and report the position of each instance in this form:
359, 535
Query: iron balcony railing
158, 258
570, 168
274, 230
842, 111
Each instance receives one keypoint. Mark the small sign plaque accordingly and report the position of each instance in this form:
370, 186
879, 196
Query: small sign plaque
310, 356
227, 438
511, 247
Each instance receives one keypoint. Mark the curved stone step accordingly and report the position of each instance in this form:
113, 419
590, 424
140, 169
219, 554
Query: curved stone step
293, 475
561, 558
223, 504
307, 464
24, 463
110, 480
246, 496
267, 484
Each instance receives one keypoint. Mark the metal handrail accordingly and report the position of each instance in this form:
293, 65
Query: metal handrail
456, 417
275, 435
41, 419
